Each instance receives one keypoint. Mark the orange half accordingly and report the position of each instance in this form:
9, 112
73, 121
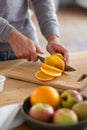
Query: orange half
55, 60
43, 77
50, 70
59, 55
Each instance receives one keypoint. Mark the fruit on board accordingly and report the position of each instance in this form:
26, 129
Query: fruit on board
47, 73
50, 70
53, 66
45, 94
65, 116
81, 110
42, 112
59, 55
43, 77
70, 97
56, 61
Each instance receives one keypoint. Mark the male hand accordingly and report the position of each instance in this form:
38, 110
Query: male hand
23, 47
54, 46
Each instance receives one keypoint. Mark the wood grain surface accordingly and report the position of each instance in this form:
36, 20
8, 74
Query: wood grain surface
69, 80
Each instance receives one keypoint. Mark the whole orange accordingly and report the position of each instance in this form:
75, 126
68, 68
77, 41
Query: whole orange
45, 94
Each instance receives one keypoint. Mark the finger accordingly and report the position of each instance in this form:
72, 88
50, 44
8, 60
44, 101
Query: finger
38, 50
50, 50
66, 57
34, 53
28, 56
33, 56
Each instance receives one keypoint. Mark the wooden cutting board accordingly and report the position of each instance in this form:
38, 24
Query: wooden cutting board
26, 70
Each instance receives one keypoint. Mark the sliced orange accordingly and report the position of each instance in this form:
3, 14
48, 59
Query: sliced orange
43, 77
50, 70
59, 55
56, 61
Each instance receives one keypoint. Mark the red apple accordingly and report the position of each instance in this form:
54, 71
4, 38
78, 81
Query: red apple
65, 116
81, 110
42, 112
70, 97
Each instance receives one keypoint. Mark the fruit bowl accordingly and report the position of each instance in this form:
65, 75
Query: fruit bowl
38, 125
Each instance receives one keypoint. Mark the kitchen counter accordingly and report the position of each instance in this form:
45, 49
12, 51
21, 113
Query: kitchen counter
15, 91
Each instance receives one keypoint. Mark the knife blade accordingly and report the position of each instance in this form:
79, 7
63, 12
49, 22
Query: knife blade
67, 67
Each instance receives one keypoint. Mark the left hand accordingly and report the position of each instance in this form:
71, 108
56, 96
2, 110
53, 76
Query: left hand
54, 46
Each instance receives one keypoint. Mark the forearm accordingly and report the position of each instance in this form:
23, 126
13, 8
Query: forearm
46, 16
5, 30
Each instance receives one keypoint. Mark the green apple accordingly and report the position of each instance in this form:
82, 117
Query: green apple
69, 98
81, 110
65, 116
42, 112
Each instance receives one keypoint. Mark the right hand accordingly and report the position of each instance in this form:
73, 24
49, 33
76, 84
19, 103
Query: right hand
23, 47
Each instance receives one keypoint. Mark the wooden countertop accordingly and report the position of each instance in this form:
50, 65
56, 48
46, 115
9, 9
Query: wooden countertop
16, 91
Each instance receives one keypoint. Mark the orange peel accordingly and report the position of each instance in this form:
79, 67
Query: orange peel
45, 94
59, 55
55, 61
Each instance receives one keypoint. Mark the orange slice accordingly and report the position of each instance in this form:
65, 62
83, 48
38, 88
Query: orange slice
50, 70
55, 61
42, 76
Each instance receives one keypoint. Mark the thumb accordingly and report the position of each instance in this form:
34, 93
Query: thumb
38, 50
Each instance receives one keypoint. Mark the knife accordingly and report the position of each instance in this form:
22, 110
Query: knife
67, 67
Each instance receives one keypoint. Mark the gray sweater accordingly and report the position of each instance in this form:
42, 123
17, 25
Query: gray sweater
15, 14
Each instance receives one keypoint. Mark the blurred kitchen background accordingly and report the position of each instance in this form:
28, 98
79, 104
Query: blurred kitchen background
72, 16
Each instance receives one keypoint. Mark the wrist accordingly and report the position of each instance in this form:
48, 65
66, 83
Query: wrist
53, 38
14, 36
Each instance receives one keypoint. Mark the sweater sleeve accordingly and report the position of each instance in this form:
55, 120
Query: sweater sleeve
5, 30
46, 15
